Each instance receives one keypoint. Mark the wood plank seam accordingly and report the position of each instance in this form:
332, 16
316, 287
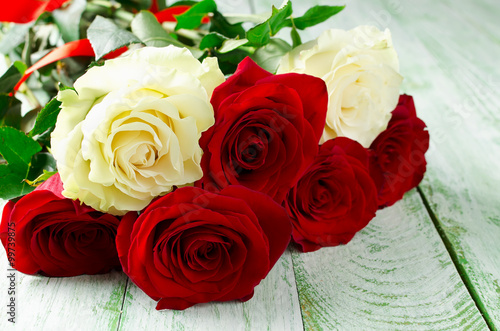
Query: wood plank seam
460, 268
123, 303
301, 304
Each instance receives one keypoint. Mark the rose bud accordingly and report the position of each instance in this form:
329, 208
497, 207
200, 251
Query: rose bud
397, 161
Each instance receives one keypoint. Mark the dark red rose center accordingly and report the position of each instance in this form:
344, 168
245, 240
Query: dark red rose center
389, 155
86, 237
251, 149
198, 249
321, 196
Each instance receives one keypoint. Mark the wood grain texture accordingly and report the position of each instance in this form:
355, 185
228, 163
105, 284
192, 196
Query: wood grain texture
275, 306
459, 51
73, 303
394, 274
421, 34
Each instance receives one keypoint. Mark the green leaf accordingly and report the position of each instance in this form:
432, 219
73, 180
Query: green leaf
17, 149
269, 56
28, 47
46, 118
150, 32
261, 34
212, 40
12, 184
92, 64
40, 179
232, 44
14, 37
7, 103
191, 19
67, 19
28, 120
63, 87
295, 37
145, 4
41, 163
241, 18
313, 16
228, 62
106, 37
162, 4
10, 78
220, 25
44, 138
184, 3
136, 4
21, 67
10, 112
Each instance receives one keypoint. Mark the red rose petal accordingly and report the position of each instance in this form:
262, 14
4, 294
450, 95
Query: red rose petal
272, 218
344, 198
397, 159
174, 303
123, 237
313, 94
193, 246
245, 76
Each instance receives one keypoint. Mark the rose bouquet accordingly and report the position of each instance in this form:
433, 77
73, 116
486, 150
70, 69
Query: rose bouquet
187, 150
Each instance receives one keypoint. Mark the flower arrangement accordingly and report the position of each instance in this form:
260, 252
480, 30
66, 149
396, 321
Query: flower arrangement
189, 151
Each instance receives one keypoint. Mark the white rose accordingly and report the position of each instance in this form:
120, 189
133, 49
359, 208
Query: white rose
130, 130
360, 68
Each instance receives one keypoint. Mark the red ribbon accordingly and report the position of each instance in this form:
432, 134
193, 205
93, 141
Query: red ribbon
168, 15
83, 47
80, 47
24, 11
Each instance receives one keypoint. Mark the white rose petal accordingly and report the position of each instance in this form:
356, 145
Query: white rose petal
130, 130
361, 70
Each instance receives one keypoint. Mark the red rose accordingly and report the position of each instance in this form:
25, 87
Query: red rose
24, 11
398, 154
193, 246
335, 198
55, 236
266, 132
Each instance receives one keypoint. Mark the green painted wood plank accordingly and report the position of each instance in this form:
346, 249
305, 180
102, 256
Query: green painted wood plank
74, 303
409, 281
275, 306
429, 296
395, 274
460, 105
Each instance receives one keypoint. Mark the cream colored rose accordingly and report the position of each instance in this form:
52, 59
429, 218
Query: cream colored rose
360, 68
130, 130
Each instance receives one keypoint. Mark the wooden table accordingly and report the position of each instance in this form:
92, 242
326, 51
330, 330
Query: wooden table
432, 261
